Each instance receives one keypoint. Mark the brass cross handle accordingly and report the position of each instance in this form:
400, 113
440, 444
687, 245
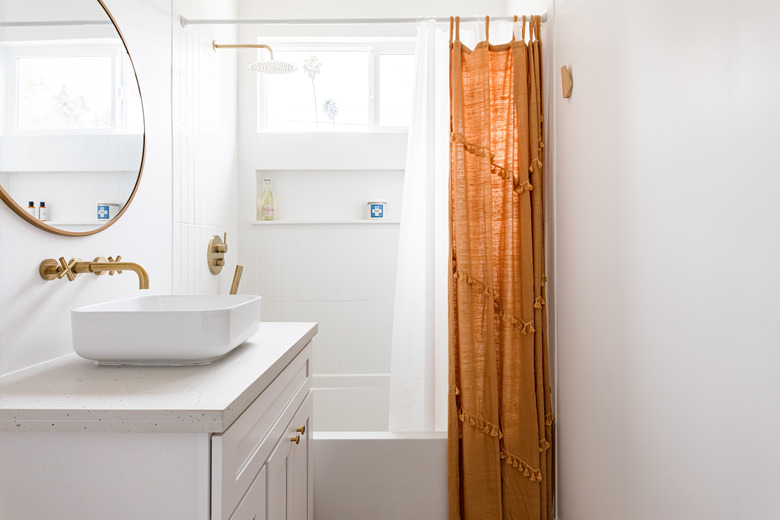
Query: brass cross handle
301, 430
296, 439
118, 258
66, 269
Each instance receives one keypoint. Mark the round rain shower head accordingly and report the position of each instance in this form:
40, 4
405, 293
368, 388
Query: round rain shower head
272, 67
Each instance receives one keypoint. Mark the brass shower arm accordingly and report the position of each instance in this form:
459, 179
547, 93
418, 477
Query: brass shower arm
241, 46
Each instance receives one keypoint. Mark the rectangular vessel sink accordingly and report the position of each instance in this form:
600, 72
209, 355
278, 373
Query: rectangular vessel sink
164, 330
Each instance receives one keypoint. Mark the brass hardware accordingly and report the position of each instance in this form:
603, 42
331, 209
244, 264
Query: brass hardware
216, 46
296, 439
301, 430
215, 254
111, 273
66, 269
50, 269
236, 279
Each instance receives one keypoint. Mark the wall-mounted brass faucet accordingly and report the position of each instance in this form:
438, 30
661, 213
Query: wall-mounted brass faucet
51, 269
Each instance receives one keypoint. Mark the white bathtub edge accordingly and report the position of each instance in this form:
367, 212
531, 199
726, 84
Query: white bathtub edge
325, 436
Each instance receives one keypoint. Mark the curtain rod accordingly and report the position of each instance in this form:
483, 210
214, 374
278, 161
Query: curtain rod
338, 21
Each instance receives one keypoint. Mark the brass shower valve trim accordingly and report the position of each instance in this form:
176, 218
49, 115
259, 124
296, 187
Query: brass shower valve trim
215, 254
51, 269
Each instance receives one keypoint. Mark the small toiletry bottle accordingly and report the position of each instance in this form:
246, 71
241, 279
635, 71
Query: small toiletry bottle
267, 202
31, 209
42, 212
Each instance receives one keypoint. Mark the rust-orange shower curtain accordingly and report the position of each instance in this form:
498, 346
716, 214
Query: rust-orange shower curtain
500, 419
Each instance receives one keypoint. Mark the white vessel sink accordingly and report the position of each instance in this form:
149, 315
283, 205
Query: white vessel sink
164, 330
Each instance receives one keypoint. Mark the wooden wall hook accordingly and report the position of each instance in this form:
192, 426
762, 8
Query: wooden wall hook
566, 83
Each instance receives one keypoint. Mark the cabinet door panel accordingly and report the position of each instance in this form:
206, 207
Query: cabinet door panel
252, 506
302, 458
280, 475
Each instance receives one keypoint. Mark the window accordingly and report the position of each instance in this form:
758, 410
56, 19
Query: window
355, 85
78, 86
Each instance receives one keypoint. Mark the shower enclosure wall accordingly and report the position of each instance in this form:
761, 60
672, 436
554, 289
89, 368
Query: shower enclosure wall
322, 260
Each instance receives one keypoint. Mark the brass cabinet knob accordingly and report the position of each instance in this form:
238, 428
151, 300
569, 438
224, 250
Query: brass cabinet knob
301, 430
296, 439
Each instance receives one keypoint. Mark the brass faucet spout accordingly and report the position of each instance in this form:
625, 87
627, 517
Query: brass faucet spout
102, 267
51, 270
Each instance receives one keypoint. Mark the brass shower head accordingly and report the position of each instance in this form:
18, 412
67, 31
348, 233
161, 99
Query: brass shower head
270, 66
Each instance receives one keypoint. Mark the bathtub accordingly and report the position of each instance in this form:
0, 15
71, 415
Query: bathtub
362, 471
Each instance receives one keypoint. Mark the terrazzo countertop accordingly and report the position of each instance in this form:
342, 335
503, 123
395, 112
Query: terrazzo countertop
72, 394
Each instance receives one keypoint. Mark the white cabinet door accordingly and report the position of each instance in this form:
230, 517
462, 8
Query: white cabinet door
290, 475
252, 506
302, 457
280, 474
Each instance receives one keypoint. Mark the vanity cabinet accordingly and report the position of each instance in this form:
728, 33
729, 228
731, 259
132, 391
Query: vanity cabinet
226, 441
268, 442
282, 489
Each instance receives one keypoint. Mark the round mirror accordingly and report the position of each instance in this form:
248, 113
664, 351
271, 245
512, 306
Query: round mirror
71, 119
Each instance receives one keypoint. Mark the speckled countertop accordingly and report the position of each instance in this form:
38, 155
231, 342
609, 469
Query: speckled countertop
72, 394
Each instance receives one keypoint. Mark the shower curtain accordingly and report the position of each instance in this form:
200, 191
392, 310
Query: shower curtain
500, 420
418, 375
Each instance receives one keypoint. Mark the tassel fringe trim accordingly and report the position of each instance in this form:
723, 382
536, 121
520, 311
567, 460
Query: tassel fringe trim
538, 302
533, 474
506, 317
549, 418
480, 424
495, 169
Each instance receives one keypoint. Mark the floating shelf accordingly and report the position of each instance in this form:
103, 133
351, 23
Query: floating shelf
318, 222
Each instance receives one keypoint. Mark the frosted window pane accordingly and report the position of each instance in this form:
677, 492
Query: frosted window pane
65, 93
396, 84
337, 98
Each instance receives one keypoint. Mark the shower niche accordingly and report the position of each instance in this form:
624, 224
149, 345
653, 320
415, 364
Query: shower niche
338, 196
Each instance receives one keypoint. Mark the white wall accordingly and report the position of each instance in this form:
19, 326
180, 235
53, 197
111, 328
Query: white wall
205, 146
363, 9
34, 314
667, 260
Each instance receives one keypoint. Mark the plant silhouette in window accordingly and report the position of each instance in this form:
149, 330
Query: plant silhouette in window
311, 66
331, 108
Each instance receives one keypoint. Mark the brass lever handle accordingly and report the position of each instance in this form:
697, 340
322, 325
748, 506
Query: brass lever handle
296, 439
301, 430
222, 248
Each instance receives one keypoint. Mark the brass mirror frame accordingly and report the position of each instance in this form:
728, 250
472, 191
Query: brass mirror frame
19, 210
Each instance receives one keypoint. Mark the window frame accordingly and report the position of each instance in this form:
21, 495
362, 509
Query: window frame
121, 80
375, 46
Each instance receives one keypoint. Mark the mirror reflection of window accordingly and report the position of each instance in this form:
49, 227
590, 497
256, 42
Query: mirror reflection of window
81, 86
65, 93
